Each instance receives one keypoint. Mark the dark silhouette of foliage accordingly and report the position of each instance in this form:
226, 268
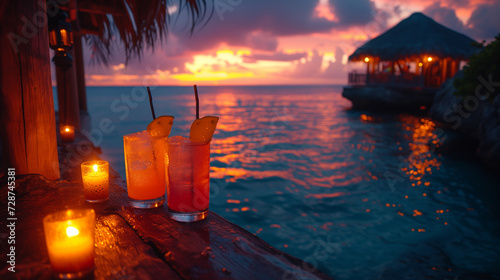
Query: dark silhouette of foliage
482, 66
137, 24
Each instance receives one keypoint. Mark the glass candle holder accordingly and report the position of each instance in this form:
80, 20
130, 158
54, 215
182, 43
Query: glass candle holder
145, 169
95, 177
67, 133
70, 242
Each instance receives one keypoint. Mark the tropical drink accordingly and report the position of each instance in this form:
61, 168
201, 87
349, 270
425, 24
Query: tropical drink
188, 172
188, 180
145, 165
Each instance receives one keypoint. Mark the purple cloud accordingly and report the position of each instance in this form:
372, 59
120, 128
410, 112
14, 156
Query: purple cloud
485, 21
483, 24
444, 16
254, 24
354, 12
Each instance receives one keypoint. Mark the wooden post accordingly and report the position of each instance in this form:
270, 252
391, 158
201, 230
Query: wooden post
28, 126
67, 96
444, 70
78, 55
368, 73
80, 73
393, 72
454, 67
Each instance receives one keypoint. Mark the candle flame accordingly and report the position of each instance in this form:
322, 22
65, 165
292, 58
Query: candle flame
72, 231
95, 167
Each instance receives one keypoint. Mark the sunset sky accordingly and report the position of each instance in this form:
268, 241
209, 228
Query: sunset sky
252, 42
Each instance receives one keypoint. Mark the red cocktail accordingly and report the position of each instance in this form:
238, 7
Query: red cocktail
188, 179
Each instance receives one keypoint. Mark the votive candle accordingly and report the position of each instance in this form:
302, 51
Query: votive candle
67, 133
95, 177
70, 242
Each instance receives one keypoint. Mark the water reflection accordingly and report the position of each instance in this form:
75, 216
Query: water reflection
305, 167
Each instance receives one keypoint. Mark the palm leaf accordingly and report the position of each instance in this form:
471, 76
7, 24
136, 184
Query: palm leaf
136, 24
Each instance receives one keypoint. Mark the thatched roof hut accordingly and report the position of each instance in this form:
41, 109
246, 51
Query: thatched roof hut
414, 36
417, 52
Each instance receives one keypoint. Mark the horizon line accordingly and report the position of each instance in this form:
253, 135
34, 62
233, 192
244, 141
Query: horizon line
277, 85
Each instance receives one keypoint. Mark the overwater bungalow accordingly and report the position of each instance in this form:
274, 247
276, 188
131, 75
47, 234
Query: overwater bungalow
407, 64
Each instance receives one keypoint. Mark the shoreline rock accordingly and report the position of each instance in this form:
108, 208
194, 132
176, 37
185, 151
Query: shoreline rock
471, 116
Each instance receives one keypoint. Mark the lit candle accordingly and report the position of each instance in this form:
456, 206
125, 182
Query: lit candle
67, 133
70, 242
95, 177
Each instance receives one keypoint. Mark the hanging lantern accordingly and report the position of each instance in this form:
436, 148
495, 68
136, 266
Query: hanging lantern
61, 39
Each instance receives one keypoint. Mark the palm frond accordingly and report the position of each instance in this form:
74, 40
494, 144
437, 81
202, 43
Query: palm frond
136, 24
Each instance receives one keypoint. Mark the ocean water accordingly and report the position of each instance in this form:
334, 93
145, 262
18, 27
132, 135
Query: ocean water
358, 195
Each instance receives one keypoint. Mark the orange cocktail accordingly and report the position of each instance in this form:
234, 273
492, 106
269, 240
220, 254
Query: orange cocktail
188, 179
145, 168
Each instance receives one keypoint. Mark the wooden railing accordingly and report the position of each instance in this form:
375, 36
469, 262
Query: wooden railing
357, 79
385, 79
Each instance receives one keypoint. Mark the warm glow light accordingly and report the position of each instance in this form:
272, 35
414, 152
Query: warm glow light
420, 64
366, 118
95, 176
67, 133
69, 236
367, 59
64, 36
210, 76
429, 59
71, 231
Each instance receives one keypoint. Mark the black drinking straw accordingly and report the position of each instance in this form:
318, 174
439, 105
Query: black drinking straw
151, 103
197, 102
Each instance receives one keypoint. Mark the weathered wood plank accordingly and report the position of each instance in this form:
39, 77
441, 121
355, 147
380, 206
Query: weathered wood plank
121, 254
26, 103
214, 248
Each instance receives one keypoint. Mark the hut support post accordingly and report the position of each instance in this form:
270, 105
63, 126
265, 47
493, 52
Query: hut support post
78, 56
368, 73
80, 74
67, 96
444, 70
393, 72
455, 64
27, 115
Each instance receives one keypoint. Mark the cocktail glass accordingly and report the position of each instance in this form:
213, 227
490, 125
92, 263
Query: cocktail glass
188, 179
145, 169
